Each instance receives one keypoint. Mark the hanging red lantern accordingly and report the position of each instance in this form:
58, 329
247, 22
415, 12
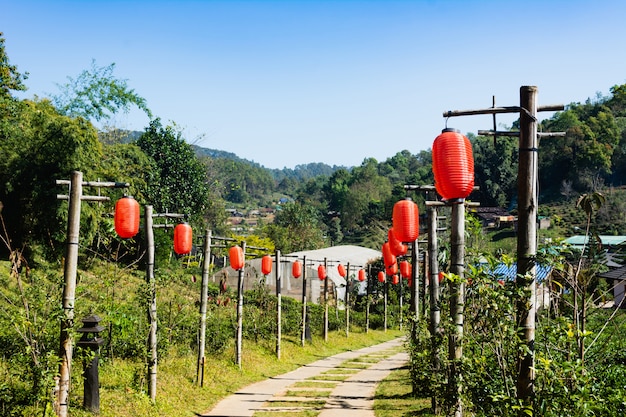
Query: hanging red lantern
392, 269
397, 248
395, 280
182, 238
453, 165
237, 258
126, 217
406, 220
296, 269
405, 269
321, 272
388, 257
266, 264
342, 270
381, 276
361, 275
441, 276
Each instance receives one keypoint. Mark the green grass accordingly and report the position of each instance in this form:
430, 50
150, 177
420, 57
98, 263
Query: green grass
306, 393
393, 397
314, 384
123, 382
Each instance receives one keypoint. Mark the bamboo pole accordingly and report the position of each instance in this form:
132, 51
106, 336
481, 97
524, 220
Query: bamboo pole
279, 307
203, 307
303, 330
527, 240
386, 291
457, 304
435, 313
240, 277
152, 306
69, 292
326, 304
367, 300
347, 299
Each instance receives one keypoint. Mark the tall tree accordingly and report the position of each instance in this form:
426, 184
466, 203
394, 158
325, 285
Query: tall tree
296, 227
10, 77
96, 94
179, 181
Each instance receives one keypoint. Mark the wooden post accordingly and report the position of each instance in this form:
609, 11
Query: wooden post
279, 307
326, 304
240, 277
152, 306
304, 267
69, 292
386, 289
435, 313
347, 300
367, 299
527, 240
203, 305
457, 304
415, 301
400, 300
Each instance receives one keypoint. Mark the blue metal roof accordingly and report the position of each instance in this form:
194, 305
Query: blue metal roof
510, 272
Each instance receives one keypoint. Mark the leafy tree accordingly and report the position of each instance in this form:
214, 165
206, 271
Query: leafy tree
495, 168
40, 146
96, 95
10, 78
296, 227
179, 181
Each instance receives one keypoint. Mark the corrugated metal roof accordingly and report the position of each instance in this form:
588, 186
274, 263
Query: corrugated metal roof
510, 272
608, 240
617, 274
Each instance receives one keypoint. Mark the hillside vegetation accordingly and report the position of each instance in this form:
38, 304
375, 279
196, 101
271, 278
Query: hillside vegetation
580, 368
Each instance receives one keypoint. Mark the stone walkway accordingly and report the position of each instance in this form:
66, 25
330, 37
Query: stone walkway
341, 385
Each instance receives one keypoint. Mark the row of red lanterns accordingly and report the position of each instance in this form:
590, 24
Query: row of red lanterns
126, 221
453, 169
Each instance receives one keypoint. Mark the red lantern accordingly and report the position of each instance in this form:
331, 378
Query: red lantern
126, 217
237, 258
342, 270
266, 264
453, 165
381, 276
441, 276
395, 280
182, 238
321, 272
388, 257
405, 269
361, 275
392, 269
397, 247
406, 223
296, 269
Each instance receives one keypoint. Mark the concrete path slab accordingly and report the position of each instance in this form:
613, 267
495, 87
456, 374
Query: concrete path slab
352, 397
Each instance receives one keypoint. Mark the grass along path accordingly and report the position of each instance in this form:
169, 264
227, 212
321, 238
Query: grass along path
123, 382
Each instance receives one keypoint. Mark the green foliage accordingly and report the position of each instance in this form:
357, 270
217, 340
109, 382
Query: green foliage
41, 146
296, 227
96, 95
178, 183
10, 78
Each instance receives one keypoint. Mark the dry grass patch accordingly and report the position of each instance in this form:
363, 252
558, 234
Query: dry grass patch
314, 384
306, 393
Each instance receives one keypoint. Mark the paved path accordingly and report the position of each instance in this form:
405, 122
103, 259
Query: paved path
346, 385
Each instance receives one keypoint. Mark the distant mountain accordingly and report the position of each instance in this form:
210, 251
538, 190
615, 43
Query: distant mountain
300, 172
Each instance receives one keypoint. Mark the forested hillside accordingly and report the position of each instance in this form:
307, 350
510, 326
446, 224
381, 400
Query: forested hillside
43, 140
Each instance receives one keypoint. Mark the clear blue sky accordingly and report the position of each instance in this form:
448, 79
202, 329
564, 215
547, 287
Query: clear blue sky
291, 82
